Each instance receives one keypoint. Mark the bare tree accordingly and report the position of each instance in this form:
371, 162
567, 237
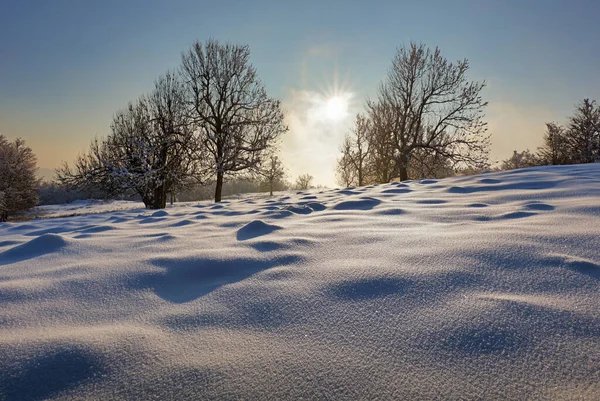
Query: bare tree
236, 120
18, 181
344, 171
355, 149
304, 181
151, 150
272, 171
433, 107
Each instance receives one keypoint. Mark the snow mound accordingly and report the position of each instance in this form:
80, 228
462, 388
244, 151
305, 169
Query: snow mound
42, 245
160, 213
362, 204
255, 229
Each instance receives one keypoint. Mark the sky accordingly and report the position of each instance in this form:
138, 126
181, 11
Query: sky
67, 66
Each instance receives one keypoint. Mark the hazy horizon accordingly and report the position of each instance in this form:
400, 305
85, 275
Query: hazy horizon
65, 67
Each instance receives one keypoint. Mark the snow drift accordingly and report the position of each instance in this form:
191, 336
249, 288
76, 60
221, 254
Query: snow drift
469, 287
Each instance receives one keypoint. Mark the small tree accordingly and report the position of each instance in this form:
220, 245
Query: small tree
273, 172
304, 181
433, 106
18, 181
236, 120
520, 160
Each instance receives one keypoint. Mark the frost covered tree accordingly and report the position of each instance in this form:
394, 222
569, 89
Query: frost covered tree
556, 148
583, 132
235, 118
272, 171
432, 107
18, 181
304, 181
578, 142
151, 149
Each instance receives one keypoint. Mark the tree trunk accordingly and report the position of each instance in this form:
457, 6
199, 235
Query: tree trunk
147, 202
219, 187
158, 200
163, 197
403, 173
271, 188
403, 167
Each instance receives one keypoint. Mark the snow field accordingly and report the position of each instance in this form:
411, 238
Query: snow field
482, 287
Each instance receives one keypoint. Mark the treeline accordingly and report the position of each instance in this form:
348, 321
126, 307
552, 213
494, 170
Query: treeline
210, 129
576, 142
208, 120
54, 193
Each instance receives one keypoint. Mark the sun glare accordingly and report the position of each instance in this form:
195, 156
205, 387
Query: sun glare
332, 105
332, 108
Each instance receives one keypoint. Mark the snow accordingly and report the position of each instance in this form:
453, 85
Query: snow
84, 207
477, 287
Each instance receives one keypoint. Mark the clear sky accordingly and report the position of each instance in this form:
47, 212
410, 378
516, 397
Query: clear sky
67, 66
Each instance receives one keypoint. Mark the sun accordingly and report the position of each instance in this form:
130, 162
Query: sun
336, 108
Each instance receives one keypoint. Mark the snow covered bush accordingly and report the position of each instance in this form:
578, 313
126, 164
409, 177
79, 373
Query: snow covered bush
18, 182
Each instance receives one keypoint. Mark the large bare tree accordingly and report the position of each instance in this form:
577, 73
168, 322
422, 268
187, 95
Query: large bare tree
235, 119
433, 107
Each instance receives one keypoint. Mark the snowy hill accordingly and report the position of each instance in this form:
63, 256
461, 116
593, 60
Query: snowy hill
483, 287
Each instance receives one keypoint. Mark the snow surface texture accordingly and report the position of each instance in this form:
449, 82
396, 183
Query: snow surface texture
477, 287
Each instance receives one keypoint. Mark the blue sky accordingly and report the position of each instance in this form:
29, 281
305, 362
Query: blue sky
67, 66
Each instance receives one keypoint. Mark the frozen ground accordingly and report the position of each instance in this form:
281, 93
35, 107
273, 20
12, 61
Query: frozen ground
477, 287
